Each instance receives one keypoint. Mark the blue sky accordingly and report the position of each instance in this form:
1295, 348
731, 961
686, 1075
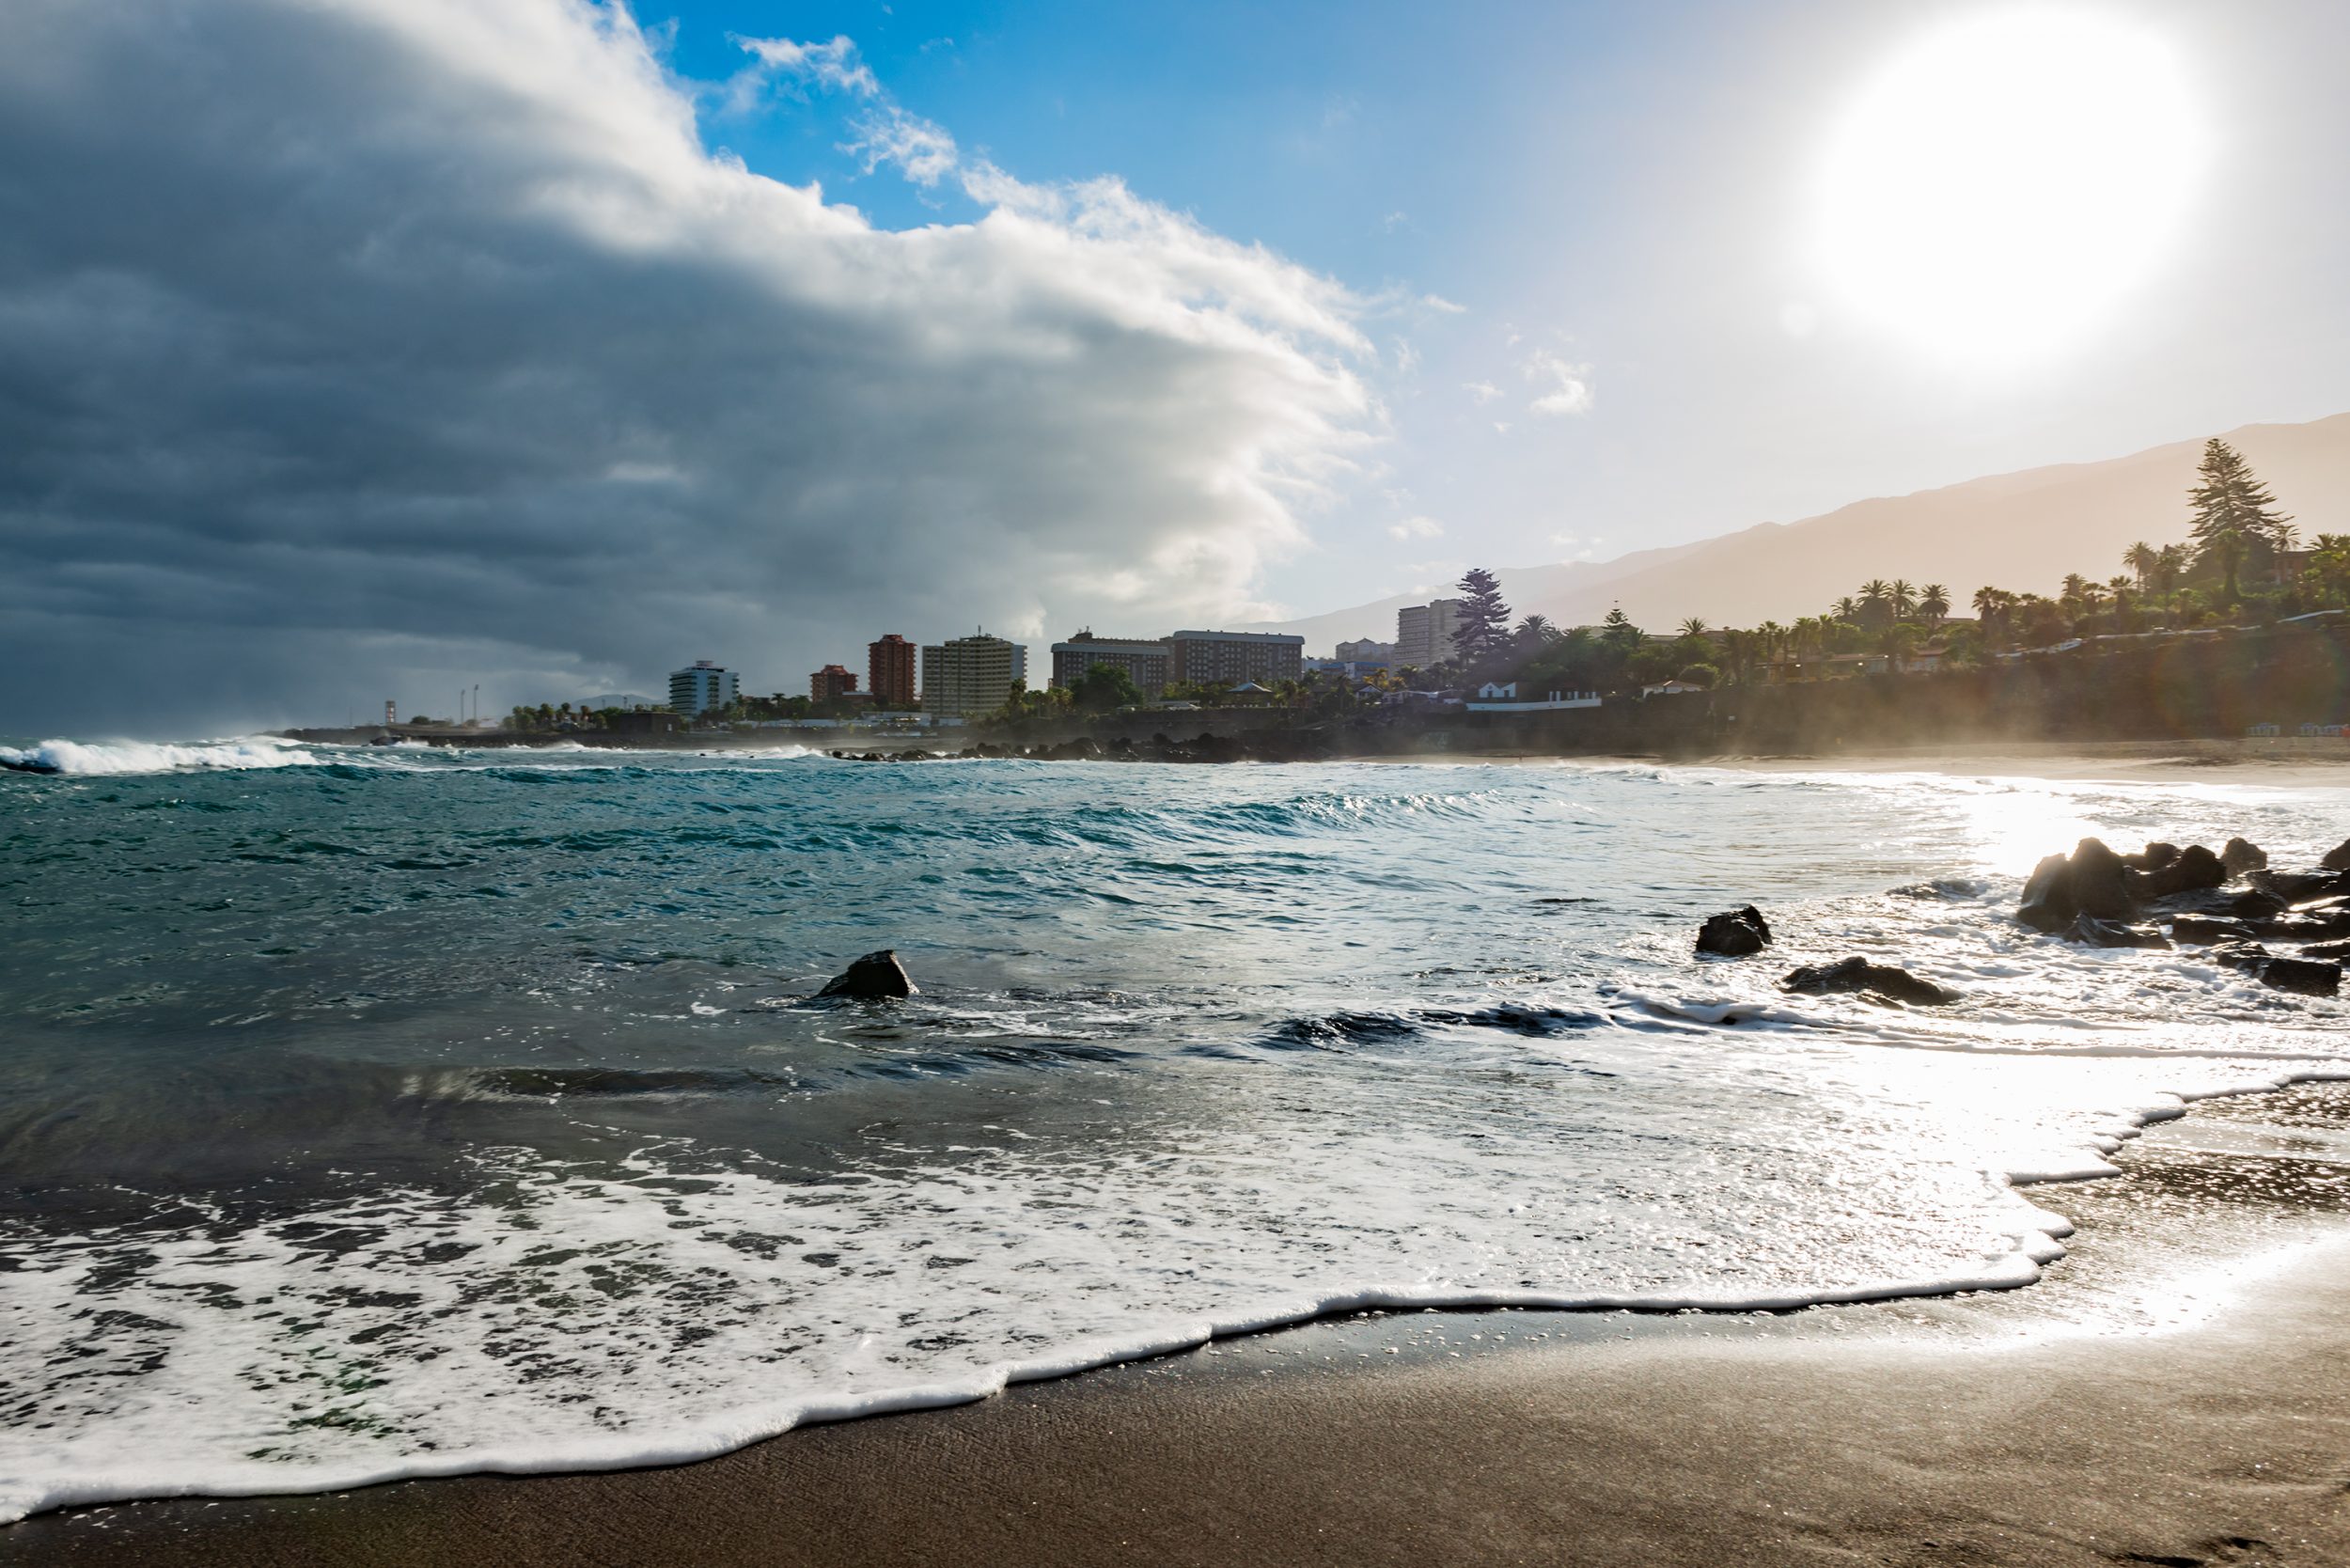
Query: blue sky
1621, 185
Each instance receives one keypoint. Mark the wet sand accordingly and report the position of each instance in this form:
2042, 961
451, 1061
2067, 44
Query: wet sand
2176, 1392
2284, 764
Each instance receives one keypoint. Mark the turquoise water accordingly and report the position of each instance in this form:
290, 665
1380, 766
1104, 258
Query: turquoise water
369, 1113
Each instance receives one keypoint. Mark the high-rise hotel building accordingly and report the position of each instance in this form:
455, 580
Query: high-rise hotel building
889, 672
701, 688
1423, 634
968, 676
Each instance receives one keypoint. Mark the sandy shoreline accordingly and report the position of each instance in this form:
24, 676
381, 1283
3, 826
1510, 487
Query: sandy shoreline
2177, 1391
2282, 764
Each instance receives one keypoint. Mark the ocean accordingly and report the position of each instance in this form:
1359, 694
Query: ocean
394, 1112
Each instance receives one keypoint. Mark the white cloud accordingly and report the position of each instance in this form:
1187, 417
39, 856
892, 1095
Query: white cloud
1570, 383
393, 338
1480, 391
1416, 527
1438, 303
833, 64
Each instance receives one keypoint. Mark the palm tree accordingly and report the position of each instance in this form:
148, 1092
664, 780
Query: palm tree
1903, 598
1693, 627
1847, 608
2142, 558
1987, 602
1875, 599
2074, 584
1934, 602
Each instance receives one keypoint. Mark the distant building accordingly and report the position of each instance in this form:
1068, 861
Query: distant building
1144, 660
649, 721
971, 674
889, 672
1364, 652
1502, 698
830, 684
701, 688
1423, 634
1233, 658
1342, 668
622, 701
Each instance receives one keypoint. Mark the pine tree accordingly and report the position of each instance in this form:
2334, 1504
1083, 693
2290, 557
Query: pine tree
2232, 499
1483, 633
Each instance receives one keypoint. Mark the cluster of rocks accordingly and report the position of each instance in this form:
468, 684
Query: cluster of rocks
1263, 745
2231, 902
1742, 932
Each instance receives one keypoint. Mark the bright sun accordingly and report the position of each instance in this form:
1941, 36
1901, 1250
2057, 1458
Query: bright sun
2003, 181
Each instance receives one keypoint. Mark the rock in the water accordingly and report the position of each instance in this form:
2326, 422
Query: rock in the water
1735, 934
2338, 858
2335, 950
2310, 977
2049, 896
2204, 930
2094, 881
2251, 957
874, 975
2297, 886
2153, 857
2117, 933
2253, 904
1859, 974
2241, 856
2193, 867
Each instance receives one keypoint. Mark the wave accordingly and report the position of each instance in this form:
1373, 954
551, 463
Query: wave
108, 759
2029, 1239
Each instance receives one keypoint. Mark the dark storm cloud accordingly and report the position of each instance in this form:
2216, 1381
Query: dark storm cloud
354, 344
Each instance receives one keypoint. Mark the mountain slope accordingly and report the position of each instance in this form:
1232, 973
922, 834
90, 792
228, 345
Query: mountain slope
2024, 531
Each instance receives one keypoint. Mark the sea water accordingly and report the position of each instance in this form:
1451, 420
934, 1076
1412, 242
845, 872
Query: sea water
369, 1113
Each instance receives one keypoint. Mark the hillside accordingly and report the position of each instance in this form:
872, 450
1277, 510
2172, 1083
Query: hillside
2022, 531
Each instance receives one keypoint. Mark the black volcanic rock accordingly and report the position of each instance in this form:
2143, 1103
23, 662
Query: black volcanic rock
874, 976
1735, 932
2194, 867
2092, 881
2338, 858
2251, 957
2241, 856
1858, 975
2205, 929
2091, 931
2335, 950
2299, 886
2310, 977
2153, 857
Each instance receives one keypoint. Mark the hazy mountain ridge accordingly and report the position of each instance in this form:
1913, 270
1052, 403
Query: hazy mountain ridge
2021, 530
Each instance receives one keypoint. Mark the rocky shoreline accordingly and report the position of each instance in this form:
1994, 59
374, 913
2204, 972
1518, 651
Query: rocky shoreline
2230, 903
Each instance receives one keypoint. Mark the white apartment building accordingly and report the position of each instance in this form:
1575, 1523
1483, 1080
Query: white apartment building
701, 687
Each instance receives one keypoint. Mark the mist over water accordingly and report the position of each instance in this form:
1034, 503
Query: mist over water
367, 1113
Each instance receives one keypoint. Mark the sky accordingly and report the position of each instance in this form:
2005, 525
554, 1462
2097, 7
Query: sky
354, 350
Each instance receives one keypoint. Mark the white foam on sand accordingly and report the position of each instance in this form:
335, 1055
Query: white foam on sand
676, 1305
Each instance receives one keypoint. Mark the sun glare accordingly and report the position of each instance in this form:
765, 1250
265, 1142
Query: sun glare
2004, 180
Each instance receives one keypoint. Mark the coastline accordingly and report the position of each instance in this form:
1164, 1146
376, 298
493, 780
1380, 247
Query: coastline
2083, 1419
2164, 761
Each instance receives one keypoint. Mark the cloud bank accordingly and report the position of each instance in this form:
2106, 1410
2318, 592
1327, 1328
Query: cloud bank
353, 348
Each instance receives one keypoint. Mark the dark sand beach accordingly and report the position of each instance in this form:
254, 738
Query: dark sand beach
2177, 1391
